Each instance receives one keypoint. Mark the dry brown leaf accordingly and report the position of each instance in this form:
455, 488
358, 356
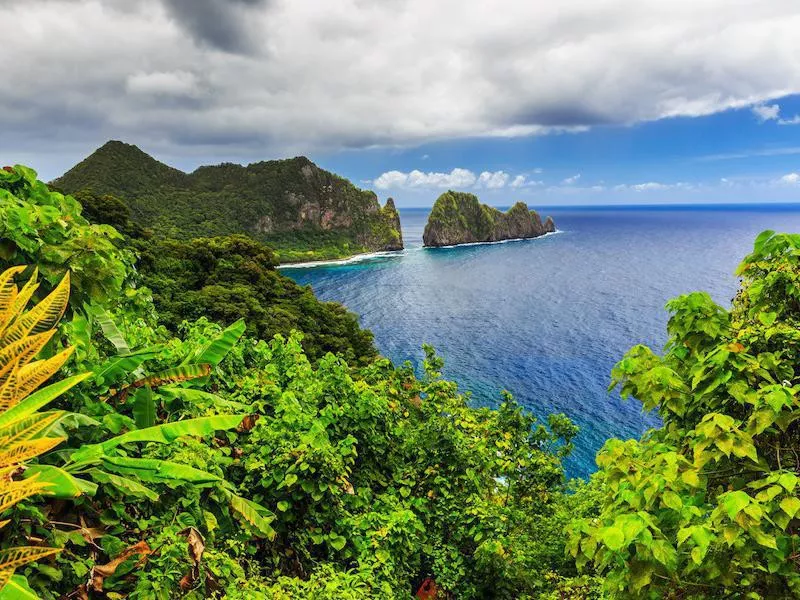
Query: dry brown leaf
100, 572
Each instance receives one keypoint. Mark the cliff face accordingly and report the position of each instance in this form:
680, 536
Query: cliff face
281, 202
458, 218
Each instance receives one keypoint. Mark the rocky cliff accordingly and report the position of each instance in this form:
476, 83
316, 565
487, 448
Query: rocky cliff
293, 205
459, 218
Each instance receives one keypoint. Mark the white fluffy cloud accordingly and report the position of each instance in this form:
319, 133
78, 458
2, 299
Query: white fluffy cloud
791, 179
456, 179
571, 180
249, 77
772, 112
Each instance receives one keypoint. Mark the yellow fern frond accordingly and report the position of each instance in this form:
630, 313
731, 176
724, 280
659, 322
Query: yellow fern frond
28, 449
23, 350
39, 341
13, 558
8, 392
33, 375
27, 428
4, 523
8, 293
41, 317
19, 490
23, 296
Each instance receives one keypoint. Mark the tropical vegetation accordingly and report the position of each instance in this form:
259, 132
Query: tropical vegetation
155, 445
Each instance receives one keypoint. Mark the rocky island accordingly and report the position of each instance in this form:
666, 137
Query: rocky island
300, 210
459, 218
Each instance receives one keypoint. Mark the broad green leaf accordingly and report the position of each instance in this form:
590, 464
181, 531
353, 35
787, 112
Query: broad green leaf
613, 538
62, 484
157, 471
129, 487
174, 375
790, 505
216, 349
17, 588
144, 408
734, 502
40, 399
110, 329
114, 370
164, 434
672, 500
255, 514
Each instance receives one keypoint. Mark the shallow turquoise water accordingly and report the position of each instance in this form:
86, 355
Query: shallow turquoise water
547, 318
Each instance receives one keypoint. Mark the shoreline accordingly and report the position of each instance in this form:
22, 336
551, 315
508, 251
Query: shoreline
525, 239
356, 258
366, 256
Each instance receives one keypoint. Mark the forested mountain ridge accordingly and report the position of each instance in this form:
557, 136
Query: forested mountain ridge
300, 210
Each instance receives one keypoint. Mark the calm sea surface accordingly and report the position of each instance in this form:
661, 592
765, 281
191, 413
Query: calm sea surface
546, 319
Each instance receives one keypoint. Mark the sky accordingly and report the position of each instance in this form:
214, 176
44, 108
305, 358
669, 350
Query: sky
553, 103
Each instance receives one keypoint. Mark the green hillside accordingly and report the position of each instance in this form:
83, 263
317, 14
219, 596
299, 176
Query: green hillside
302, 211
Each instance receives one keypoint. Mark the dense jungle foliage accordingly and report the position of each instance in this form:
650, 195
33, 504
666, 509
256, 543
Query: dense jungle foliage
230, 278
301, 211
203, 460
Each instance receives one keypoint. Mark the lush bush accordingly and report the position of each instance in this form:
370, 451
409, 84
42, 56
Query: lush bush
234, 277
215, 464
707, 506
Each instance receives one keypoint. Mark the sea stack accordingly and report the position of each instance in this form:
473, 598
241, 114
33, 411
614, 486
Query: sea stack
459, 218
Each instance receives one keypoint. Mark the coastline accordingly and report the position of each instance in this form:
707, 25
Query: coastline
525, 239
356, 258
366, 256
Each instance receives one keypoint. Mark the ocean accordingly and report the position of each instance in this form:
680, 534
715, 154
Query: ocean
547, 319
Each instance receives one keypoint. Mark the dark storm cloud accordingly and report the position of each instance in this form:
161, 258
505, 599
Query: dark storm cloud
221, 24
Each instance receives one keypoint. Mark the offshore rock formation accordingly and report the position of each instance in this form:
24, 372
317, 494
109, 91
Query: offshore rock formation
278, 202
458, 218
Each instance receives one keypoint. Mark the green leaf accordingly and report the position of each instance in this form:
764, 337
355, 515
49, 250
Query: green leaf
164, 434
128, 487
216, 349
157, 471
174, 375
62, 484
40, 398
613, 538
144, 408
255, 514
672, 500
17, 588
790, 506
734, 502
110, 329
337, 542
767, 318
283, 505
112, 371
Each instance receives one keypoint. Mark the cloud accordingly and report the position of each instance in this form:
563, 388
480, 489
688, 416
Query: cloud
458, 178
268, 78
652, 186
791, 179
219, 24
519, 181
571, 180
766, 112
177, 83
772, 112
491, 180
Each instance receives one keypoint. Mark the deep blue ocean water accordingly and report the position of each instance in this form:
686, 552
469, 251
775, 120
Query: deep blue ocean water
547, 319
